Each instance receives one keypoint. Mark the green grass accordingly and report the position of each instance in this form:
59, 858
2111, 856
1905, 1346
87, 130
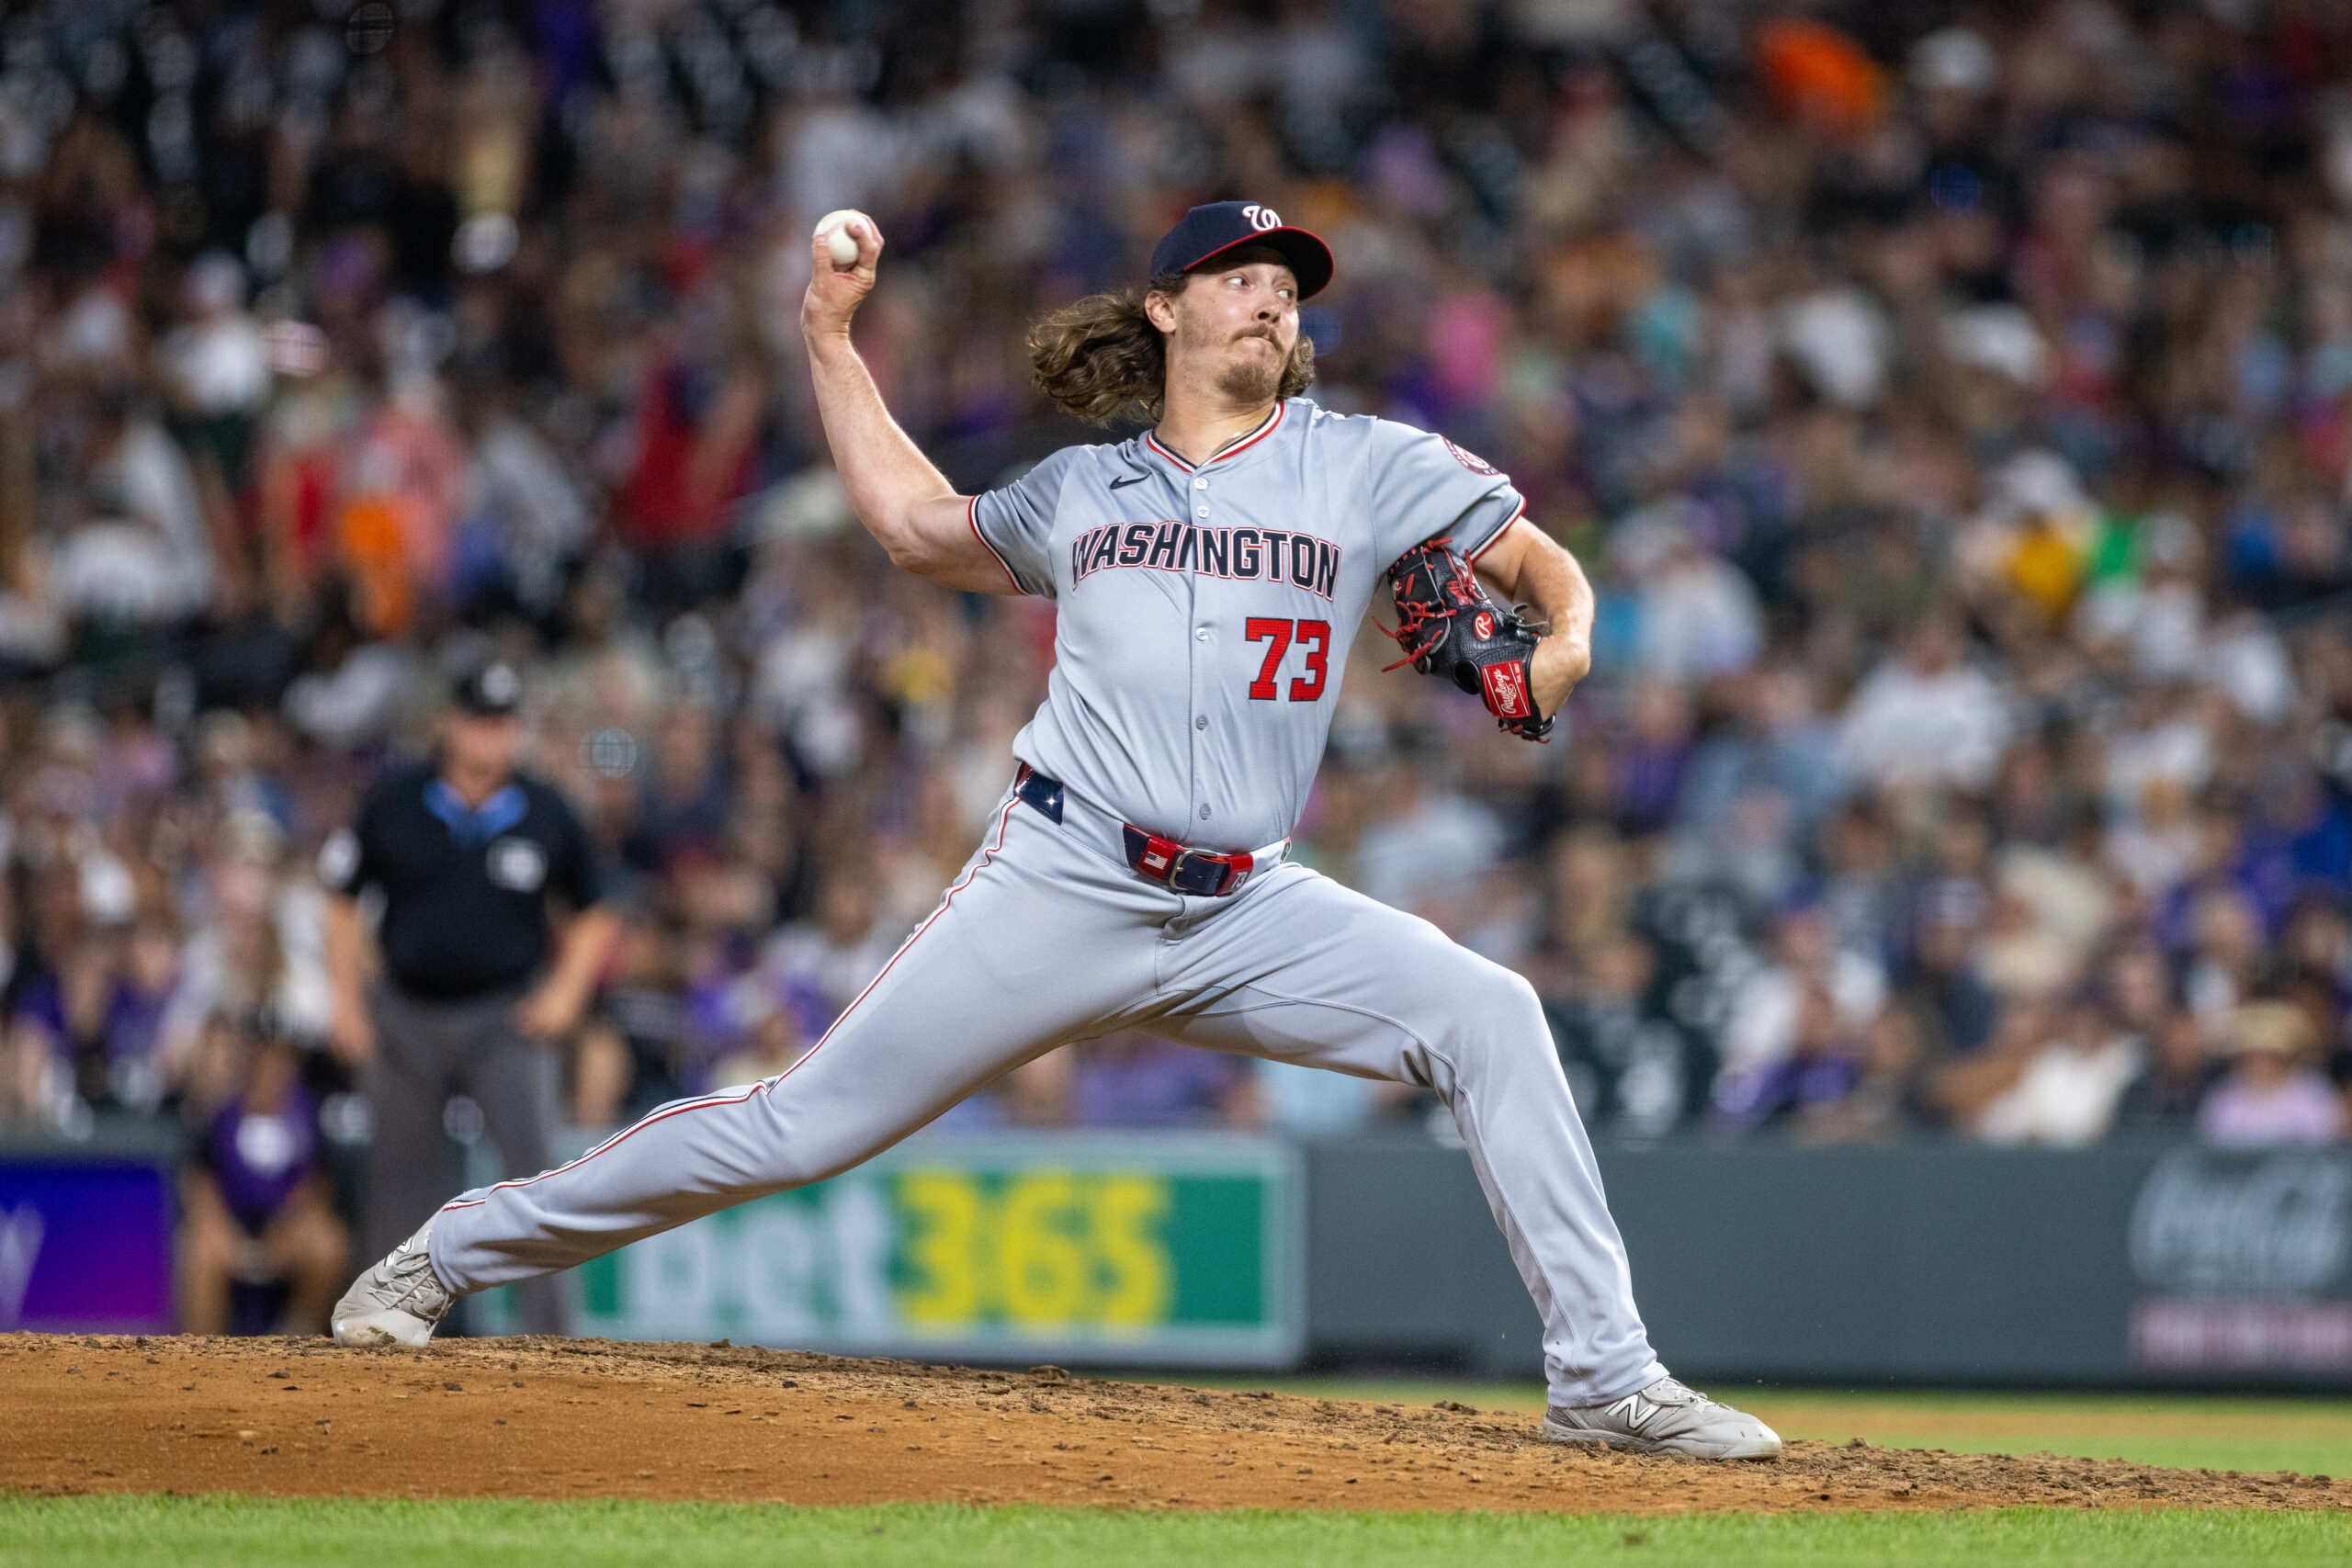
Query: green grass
2312, 1436
222, 1532
2194, 1431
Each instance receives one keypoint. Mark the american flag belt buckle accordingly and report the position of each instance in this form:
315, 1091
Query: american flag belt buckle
1196, 874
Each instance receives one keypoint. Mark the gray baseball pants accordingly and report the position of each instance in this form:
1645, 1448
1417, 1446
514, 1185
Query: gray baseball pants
425, 1052
1046, 937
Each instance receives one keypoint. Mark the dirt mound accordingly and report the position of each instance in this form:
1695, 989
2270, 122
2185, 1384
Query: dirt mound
564, 1419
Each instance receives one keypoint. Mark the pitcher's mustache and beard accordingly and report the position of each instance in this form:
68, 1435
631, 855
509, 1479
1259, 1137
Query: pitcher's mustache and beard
1254, 379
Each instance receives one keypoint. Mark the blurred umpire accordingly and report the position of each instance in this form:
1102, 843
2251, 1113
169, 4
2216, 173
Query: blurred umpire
468, 854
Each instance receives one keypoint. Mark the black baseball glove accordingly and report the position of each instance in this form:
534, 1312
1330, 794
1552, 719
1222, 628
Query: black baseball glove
1448, 626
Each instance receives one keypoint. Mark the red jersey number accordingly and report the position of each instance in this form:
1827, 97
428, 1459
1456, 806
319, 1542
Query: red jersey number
1315, 636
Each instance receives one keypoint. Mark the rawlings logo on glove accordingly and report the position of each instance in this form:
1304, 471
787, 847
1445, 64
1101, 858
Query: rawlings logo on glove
1506, 690
1447, 627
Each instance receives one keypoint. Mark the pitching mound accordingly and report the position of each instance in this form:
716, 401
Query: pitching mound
567, 1418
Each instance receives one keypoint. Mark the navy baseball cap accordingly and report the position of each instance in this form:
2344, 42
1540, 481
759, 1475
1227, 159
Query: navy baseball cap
1207, 232
490, 690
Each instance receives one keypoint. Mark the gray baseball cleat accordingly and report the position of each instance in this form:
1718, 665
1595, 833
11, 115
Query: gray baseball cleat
397, 1302
1665, 1419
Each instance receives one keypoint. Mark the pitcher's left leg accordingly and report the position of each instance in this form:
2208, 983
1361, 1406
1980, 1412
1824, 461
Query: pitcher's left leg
1305, 970
1301, 969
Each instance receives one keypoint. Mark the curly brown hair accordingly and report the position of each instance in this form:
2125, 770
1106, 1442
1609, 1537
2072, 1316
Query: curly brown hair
1102, 358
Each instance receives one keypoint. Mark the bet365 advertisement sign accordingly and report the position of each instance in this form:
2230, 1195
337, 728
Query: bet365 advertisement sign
1169, 1247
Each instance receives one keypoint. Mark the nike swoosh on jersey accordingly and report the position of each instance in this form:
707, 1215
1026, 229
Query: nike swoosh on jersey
1132, 480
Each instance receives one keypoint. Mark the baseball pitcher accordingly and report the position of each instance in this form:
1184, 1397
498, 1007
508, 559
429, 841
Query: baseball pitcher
1208, 577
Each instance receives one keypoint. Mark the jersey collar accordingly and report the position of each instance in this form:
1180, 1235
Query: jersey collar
468, 825
1233, 449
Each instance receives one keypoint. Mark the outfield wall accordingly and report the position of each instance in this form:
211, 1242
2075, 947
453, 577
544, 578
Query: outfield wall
2128, 1265
2125, 1265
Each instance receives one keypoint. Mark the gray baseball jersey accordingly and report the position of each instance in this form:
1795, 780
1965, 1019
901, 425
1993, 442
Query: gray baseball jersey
1204, 616
1206, 611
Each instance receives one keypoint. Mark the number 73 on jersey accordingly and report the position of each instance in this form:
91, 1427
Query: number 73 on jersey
1312, 636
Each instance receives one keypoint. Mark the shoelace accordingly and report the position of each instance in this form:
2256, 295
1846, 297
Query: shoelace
1639, 1409
413, 1282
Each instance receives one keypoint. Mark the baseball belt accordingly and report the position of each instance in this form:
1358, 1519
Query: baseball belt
1179, 868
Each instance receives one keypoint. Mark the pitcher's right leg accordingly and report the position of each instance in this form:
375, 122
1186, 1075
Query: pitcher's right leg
1031, 947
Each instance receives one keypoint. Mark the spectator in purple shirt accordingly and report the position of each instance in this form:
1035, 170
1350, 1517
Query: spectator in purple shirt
2272, 1095
2298, 840
1653, 757
1133, 1079
259, 1211
1822, 1066
100, 1013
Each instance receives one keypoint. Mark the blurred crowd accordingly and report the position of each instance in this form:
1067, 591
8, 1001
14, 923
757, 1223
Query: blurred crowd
1952, 403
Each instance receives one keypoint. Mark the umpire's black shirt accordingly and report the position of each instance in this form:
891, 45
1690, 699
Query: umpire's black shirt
465, 892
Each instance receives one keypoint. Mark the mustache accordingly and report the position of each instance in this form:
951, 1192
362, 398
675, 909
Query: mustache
1266, 332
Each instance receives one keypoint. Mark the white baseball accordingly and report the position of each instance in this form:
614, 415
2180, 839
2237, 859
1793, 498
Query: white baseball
840, 243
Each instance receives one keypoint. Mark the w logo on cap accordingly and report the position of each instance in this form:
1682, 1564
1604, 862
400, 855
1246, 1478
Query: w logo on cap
1206, 232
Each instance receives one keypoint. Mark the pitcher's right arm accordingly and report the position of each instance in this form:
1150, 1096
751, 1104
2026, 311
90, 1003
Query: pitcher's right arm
904, 501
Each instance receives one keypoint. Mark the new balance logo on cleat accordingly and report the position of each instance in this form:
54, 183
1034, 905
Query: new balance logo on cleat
1634, 1410
1665, 1419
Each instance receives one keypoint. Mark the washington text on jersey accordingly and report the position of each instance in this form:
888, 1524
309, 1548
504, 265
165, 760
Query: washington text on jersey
1245, 555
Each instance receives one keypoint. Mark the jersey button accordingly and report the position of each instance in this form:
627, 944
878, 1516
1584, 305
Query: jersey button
1202, 634
1204, 511
1205, 813
1200, 485
1202, 722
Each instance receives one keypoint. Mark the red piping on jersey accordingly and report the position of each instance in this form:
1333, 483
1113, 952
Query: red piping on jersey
1239, 448
972, 516
988, 855
1150, 441
1499, 533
